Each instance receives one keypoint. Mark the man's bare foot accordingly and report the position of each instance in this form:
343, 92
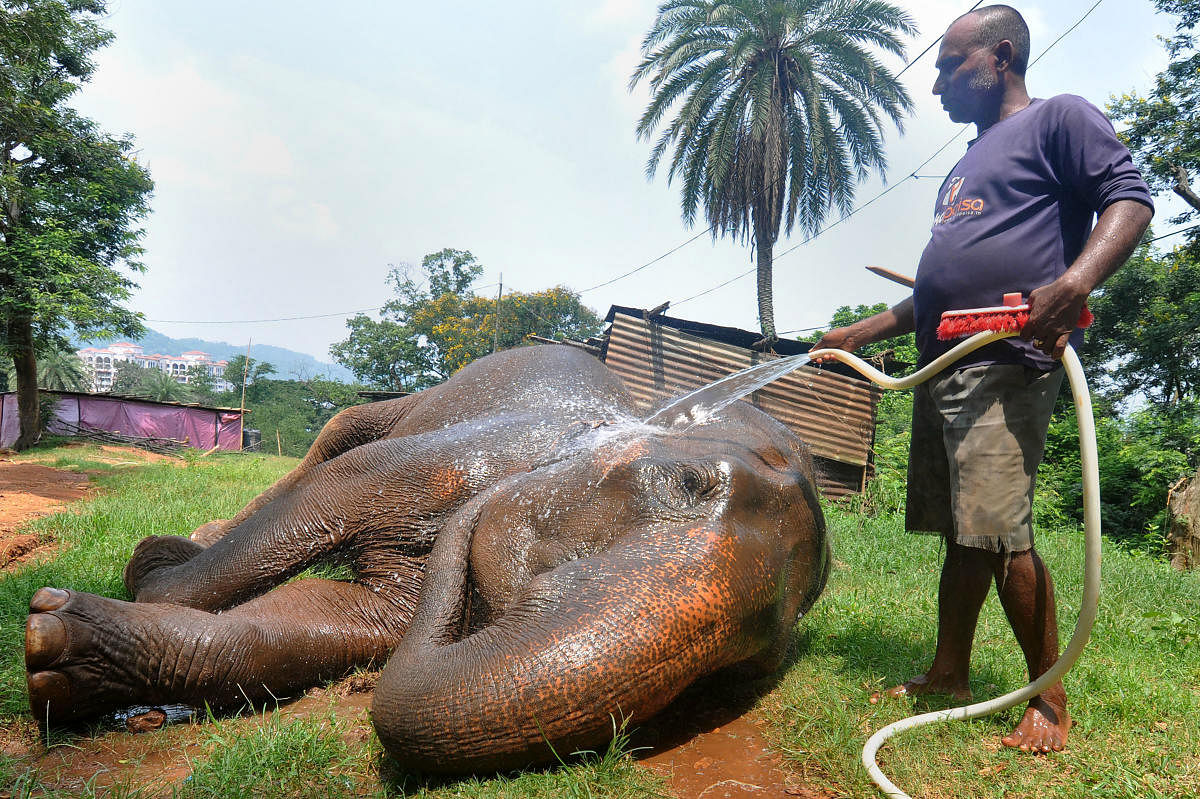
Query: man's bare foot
1043, 728
923, 684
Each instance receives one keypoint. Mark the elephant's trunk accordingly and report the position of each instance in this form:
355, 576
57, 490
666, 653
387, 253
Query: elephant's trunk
609, 637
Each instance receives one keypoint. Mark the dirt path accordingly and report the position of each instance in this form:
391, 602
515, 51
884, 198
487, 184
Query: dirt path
709, 746
706, 744
27, 491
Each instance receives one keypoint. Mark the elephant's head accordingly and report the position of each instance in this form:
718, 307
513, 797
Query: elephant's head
600, 585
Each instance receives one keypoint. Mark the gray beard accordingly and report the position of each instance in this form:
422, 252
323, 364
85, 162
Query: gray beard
984, 81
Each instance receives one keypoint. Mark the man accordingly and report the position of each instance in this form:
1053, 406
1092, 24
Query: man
1013, 215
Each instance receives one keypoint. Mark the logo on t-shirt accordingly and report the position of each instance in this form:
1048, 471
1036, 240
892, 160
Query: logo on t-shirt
953, 205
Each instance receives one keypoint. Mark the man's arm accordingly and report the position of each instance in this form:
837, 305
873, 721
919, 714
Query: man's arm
1055, 308
895, 321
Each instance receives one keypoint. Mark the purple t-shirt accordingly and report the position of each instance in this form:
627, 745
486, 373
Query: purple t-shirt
1014, 213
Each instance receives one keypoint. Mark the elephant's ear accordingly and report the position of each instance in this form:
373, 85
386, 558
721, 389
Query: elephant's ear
616, 635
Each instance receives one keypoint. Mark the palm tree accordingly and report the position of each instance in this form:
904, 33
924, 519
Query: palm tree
63, 371
163, 387
778, 104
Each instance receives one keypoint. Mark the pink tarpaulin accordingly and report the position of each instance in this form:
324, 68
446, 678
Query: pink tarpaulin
202, 428
10, 425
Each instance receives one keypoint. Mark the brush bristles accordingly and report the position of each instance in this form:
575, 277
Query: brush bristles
998, 320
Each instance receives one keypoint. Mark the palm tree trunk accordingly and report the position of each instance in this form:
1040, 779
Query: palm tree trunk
766, 297
20, 337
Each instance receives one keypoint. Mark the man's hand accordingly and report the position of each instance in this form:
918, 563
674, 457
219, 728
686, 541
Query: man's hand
1054, 308
840, 338
1053, 315
895, 321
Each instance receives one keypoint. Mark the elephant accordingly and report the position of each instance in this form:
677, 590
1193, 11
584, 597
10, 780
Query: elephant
529, 559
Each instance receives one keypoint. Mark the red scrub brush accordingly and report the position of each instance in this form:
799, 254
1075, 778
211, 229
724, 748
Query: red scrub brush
1009, 317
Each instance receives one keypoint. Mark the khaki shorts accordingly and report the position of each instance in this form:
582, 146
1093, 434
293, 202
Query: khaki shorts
978, 435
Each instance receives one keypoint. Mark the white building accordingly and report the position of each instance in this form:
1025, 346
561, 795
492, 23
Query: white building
103, 364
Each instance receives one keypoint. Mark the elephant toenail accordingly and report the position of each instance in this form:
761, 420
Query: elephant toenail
49, 694
48, 599
45, 638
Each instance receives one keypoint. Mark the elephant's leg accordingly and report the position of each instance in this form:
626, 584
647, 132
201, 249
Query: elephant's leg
87, 654
349, 428
382, 496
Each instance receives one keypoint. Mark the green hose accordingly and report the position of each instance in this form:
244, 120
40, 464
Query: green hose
1091, 528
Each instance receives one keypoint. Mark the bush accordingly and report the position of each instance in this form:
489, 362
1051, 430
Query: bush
1140, 456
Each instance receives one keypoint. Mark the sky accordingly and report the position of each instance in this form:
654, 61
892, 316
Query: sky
300, 150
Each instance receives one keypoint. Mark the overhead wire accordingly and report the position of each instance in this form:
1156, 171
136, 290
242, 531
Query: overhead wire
492, 285
257, 321
911, 176
282, 318
768, 187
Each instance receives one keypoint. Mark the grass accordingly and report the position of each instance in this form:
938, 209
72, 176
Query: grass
1135, 693
96, 536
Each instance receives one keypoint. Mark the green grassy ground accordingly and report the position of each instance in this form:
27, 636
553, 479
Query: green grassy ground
1135, 693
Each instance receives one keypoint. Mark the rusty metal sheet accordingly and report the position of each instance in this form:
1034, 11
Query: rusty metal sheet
832, 413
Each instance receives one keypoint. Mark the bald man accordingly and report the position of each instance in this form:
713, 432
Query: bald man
1015, 214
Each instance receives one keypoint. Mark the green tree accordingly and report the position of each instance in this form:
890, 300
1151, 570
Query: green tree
256, 371
70, 196
1145, 341
1140, 455
778, 111
290, 413
60, 370
436, 325
161, 386
1163, 126
381, 353
201, 383
130, 378
901, 348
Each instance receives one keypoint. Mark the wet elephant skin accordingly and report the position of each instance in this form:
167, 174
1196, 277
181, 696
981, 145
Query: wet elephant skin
528, 558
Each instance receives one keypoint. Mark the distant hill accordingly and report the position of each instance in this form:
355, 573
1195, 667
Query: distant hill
289, 365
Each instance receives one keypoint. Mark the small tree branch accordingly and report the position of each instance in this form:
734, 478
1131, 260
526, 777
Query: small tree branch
1183, 187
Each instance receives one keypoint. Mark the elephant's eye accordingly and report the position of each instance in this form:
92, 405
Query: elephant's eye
691, 486
694, 482
678, 485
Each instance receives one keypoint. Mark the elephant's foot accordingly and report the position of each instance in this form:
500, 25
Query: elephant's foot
86, 655
153, 557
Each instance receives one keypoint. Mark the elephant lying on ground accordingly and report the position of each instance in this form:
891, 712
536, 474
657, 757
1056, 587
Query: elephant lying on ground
528, 558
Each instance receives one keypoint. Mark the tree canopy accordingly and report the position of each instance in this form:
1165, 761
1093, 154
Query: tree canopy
71, 196
435, 324
1146, 338
776, 111
1163, 126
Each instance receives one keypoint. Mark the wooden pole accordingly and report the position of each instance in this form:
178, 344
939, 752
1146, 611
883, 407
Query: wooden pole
242, 407
895, 277
496, 332
278, 443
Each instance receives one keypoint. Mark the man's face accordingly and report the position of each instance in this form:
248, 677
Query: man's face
968, 82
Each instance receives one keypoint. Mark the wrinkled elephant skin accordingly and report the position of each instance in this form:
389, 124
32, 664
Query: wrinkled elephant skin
528, 558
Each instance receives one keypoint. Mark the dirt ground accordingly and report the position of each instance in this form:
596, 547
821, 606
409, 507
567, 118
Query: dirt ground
28, 490
709, 748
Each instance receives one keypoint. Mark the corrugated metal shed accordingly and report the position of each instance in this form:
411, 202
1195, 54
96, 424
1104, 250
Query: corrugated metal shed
830, 409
